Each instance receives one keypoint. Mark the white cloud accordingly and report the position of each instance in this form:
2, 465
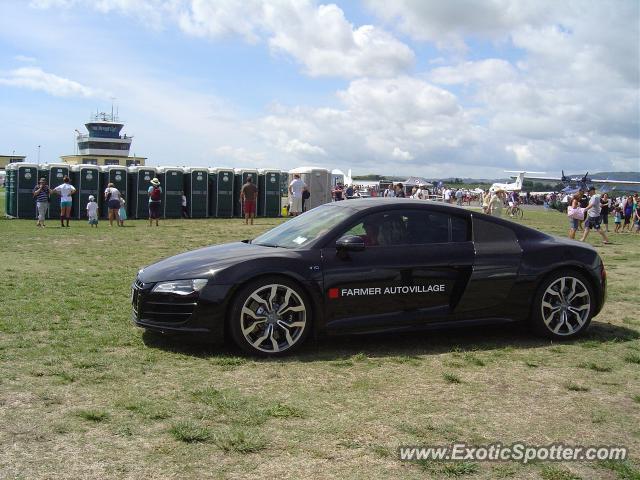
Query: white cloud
318, 37
327, 44
295, 146
401, 154
490, 71
25, 59
35, 78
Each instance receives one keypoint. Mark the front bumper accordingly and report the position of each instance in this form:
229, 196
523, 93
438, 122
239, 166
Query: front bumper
202, 314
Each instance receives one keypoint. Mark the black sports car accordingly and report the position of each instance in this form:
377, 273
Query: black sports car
369, 266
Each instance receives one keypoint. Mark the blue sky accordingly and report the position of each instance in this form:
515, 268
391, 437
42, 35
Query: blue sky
415, 87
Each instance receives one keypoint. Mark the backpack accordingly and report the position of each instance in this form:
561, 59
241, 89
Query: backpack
156, 194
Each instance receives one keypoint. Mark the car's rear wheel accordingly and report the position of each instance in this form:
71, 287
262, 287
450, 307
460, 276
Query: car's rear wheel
564, 305
270, 317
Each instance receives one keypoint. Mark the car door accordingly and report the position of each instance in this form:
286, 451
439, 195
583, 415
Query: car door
411, 272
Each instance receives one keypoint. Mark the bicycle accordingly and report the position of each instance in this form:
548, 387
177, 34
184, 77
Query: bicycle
516, 212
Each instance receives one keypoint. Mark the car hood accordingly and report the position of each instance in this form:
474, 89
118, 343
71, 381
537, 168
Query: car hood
201, 263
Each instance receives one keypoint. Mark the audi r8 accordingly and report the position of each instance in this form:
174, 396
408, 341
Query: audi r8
375, 265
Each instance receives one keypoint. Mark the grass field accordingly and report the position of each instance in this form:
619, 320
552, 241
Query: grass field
85, 394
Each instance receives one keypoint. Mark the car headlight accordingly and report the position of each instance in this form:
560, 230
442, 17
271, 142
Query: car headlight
180, 287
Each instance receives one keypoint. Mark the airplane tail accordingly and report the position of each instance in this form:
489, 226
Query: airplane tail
520, 180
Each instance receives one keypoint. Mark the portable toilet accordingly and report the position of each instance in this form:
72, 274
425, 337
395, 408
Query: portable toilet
86, 180
119, 176
213, 192
318, 181
284, 183
240, 178
196, 189
9, 185
24, 181
222, 187
139, 183
269, 193
172, 188
55, 173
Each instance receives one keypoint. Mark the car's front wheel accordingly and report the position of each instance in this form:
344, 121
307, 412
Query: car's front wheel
270, 317
563, 306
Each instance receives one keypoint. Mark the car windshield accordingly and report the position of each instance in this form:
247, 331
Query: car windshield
303, 229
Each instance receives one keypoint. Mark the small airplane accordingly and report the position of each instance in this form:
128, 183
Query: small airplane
584, 182
511, 187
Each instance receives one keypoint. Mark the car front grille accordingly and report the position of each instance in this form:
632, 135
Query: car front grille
159, 308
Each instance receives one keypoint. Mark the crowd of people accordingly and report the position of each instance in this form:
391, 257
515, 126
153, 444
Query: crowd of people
114, 200
588, 211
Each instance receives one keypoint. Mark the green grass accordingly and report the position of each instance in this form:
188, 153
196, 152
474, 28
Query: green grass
85, 394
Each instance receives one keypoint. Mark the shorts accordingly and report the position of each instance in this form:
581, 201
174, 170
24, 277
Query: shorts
573, 223
296, 204
249, 207
66, 204
593, 222
114, 204
93, 220
154, 210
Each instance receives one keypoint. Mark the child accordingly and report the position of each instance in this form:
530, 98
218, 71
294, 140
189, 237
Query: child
122, 213
92, 211
617, 218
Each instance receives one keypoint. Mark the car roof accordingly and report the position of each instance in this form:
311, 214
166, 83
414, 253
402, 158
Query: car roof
366, 203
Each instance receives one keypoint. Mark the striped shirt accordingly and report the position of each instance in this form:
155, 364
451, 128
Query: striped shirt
43, 196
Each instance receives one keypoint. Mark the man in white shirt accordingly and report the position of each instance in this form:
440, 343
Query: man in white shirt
593, 217
296, 188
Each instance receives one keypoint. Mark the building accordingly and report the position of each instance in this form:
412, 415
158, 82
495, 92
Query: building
104, 145
103, 160
7, 159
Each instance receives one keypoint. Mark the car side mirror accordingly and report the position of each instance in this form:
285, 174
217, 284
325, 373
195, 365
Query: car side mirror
350, 243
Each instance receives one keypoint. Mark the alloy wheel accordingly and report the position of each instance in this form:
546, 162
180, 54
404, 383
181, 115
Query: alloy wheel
566, 305
273, 318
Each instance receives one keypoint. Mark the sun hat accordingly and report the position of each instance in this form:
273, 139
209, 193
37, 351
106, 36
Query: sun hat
155, 181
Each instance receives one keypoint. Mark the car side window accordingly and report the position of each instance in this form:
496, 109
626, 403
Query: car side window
413, 227
460, 230
381, 229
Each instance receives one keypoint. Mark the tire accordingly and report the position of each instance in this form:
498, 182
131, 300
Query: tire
519, 213
563, 305
270, 317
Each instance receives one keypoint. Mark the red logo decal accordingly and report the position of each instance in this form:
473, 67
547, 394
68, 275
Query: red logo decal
333, 293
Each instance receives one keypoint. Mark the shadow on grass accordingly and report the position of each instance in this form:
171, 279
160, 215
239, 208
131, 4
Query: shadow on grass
429, 342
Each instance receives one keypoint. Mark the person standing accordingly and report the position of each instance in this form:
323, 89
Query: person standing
112, 197
296, 187
248, 198
593, 217
486, 198
185, 213
496, 204
122, 213
606, 207
65, 190
459, 195
155, 200
92, 211
400, 191
41, 194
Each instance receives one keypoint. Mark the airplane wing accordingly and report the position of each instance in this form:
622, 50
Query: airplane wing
533, 177
616, 182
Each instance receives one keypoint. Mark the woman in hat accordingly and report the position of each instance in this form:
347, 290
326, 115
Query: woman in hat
155, 199
496, 204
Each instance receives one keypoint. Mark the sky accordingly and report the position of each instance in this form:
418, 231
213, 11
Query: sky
465, 88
